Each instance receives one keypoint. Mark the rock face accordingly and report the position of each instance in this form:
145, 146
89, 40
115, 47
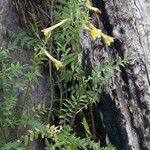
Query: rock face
10, 20
7, 16
125, 107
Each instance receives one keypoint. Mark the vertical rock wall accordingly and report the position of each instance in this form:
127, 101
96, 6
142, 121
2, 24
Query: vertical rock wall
10, 20
128, 98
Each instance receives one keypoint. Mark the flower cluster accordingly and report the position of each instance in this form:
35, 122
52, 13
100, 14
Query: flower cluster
95, 33
90, 7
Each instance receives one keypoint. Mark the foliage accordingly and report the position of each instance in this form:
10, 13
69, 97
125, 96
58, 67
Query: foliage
12, 146
77, 91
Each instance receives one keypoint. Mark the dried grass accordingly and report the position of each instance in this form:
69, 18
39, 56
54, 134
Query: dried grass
42, 9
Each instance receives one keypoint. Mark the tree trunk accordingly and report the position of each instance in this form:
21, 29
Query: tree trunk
125, 107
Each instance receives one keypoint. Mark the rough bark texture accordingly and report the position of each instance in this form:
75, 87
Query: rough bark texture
125, 109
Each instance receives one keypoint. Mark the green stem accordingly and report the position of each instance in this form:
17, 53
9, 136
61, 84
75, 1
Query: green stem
50, 67
4, 134
90, 108
61, 97
91, 113
92, 121
3, 80
25, 100
3, 95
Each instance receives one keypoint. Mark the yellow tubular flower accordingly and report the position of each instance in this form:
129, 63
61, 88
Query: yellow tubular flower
47, 31
107, 39
86, 28
58, 64
95, 33
90, 7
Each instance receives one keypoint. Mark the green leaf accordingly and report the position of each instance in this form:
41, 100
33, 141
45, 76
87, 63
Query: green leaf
26, 140
86, 127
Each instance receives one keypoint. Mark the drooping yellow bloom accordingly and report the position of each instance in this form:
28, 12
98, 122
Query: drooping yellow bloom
90, 7
97, 33
47, 31
107, 39
58, 64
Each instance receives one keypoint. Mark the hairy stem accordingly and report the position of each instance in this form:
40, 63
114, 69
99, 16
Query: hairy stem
50, 65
